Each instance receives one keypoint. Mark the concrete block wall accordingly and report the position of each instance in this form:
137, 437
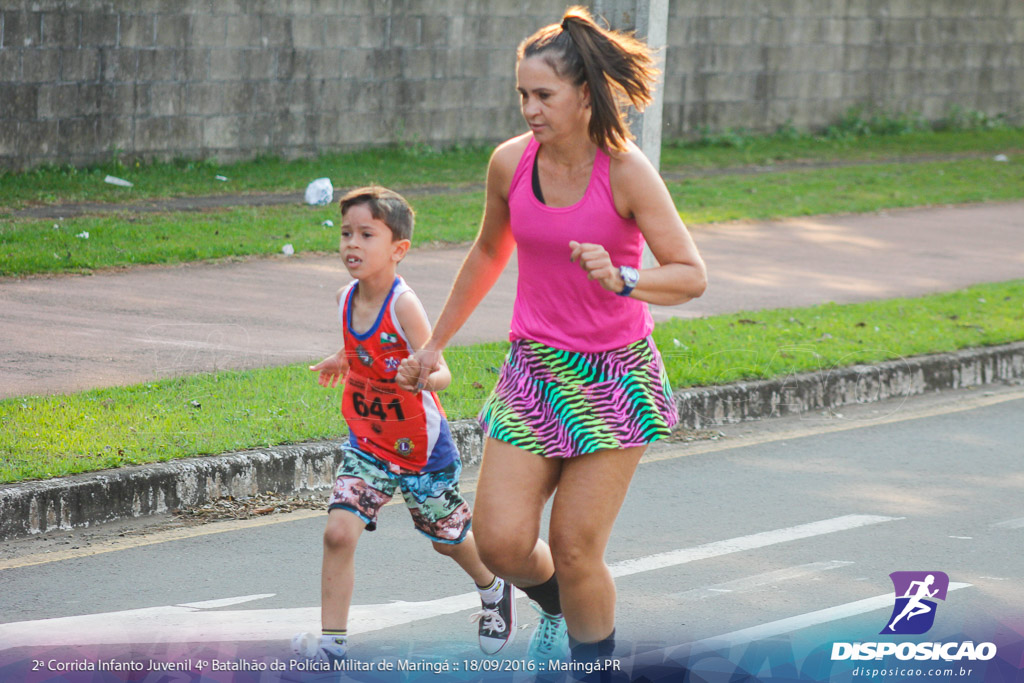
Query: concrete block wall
81, 80
759, 64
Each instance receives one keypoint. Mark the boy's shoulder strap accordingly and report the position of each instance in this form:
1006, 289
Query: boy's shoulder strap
400, 287
343, 299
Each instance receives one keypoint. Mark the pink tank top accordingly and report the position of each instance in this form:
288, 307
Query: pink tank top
555, 302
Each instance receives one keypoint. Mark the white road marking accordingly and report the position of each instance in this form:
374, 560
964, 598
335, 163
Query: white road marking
1010, 524
181, 623
198, 621
758, 581
775, 628
673, 558
226, 602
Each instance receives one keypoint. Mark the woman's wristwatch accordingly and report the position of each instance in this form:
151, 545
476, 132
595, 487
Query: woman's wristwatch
630, 276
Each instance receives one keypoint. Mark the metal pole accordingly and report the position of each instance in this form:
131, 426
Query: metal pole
649, 18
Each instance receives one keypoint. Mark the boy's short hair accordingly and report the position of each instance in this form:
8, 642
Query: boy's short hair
385, 205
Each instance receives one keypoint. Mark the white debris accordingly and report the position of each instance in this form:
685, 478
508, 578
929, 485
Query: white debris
221, 178
1001, 157
287, 250
320, 192
328, 223
82, 235
120, 182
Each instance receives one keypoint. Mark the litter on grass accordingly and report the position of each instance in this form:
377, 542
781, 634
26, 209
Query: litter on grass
320, 192
120, 182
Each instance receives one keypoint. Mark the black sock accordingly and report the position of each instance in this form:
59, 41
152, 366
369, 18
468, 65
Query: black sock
545, 595
590, 652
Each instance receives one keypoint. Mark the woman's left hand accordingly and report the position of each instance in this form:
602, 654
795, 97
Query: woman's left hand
594, 259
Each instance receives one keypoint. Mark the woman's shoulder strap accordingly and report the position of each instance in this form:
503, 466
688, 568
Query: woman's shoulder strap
516, 157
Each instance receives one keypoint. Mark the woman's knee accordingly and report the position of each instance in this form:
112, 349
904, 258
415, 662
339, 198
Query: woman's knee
505, 552
575, 555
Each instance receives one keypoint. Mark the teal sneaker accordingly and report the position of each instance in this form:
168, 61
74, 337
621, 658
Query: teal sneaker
550, 640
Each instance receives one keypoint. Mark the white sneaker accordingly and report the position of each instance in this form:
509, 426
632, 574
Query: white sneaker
318, 648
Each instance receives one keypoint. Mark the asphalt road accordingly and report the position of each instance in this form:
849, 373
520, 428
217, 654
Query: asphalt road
764, 546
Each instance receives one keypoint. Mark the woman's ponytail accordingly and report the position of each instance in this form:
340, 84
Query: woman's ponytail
618, 69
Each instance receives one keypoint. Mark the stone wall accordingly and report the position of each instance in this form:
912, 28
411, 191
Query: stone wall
81, 80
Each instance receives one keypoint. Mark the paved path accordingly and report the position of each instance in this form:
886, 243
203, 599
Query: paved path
69, 333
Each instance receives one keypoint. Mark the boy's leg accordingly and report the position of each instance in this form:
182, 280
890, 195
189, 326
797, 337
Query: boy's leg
441, 513
362, 486
497, 615
466, 556
337, 578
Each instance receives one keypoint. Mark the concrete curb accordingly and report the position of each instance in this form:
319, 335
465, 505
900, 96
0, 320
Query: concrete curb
86, 500
831, 388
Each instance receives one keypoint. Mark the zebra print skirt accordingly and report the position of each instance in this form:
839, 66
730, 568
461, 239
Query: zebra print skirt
560, 404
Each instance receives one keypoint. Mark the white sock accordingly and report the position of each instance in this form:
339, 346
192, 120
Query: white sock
492, 594
334, 642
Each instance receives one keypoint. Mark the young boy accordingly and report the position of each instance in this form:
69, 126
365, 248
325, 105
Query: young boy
397, 439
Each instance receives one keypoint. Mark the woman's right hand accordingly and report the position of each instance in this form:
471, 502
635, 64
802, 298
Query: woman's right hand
414, 372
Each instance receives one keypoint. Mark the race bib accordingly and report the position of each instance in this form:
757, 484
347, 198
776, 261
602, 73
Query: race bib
385, 420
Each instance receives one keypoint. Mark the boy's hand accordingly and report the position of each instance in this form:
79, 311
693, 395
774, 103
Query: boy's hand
332, 369
414, 372
409, 374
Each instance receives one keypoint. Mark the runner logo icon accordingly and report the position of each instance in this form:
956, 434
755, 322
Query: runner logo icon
916, 592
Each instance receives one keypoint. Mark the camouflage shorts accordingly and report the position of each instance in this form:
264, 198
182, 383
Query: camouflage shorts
364, 484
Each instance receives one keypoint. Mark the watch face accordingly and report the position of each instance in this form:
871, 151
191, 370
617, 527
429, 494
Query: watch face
629, 275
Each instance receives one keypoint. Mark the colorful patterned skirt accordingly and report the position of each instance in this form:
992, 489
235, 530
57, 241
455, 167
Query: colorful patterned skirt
560, 404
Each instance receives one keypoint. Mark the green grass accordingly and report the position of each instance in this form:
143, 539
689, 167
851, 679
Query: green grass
739, 149
43, 437
851, 189
407, 167
30, 246
47, 246
397, 166
126, 239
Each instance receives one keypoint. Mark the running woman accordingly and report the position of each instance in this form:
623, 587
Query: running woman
582, 391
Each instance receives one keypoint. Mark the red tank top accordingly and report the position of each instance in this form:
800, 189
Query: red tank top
384, 420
